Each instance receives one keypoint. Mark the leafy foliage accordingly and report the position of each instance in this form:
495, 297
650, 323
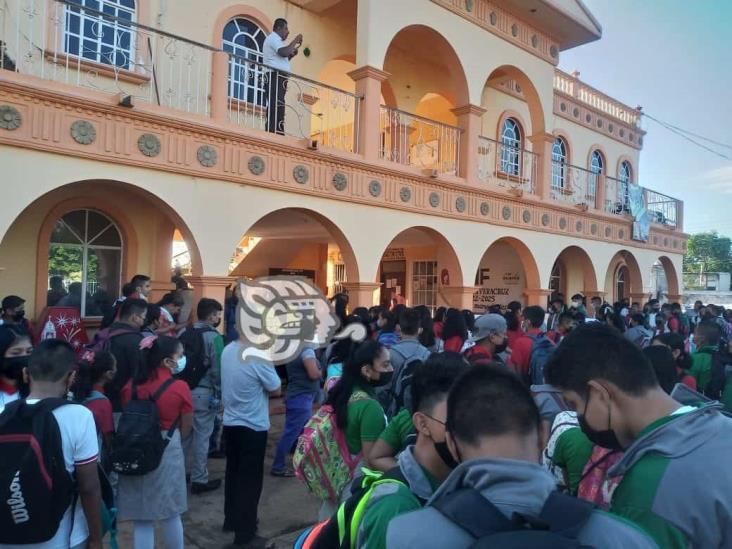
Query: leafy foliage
708, 252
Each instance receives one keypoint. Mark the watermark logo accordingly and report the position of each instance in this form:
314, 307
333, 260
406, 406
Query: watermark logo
279, 316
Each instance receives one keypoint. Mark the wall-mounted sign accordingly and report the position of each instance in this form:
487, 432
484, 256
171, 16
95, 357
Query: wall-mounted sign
394, 254
500, 278
305, 273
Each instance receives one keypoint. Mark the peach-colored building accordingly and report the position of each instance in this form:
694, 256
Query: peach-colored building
426, 148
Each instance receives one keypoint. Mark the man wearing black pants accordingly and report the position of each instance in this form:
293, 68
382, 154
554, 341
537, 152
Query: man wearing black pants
245, 390
276, 55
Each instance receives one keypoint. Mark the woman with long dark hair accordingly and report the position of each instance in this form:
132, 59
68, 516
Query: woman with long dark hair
454, 332
159, 495
15, 350
427, 335
96, 369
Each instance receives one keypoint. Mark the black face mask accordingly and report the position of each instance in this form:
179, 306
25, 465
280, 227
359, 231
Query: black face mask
13, 367
18, 316
444, 452
383, 379
502, 347
606, 438
216, 324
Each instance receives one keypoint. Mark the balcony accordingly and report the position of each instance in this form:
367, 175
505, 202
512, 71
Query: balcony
158, 73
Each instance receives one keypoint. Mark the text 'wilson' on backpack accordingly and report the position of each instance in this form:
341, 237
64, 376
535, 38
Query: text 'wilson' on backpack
35, 487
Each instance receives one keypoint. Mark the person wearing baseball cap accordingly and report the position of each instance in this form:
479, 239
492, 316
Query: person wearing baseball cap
489, 338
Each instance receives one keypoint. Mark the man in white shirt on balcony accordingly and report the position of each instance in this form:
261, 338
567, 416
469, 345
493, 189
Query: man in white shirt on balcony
277, 55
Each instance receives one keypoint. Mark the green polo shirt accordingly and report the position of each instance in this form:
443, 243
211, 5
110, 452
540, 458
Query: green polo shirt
571, 452
366, 419
396, 432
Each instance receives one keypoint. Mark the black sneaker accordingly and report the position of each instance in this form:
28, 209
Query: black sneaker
201, 487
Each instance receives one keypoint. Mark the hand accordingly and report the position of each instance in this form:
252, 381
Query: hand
298, 39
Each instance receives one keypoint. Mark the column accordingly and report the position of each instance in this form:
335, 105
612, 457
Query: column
361, 294
639, 297
368, 87
537, 296
601, 193
470, 120
219, 86
213, 287
542, 144
458, 297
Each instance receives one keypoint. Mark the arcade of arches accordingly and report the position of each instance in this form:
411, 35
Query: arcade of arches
95, 235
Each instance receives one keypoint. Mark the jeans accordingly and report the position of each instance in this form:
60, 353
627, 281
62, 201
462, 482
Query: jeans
245, 449
276, 90
298, 411
196, 445
171, 530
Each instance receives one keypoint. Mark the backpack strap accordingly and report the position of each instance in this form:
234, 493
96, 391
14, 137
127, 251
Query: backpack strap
473, 513
565, 515
167, 383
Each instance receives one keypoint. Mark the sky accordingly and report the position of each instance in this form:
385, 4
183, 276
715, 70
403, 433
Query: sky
673, 57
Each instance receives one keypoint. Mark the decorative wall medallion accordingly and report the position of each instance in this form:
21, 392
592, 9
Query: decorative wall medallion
300, 174
553, 51
256, 165
599, 123
575, 112
588, 118
622, 132
493, 18
534, 41
621, 234
434, 199
631, 137
10, 118
578, 226
340, 181
655, 239
593, 228
149, 144
526, 216
675, 243
460, 204
665, 242
608, 232
545, 219
563, 107
562, 223
374, 188
506, 213
484, 208
514, 30
83, 132
405, 194
207, 156
469, 5
610, 128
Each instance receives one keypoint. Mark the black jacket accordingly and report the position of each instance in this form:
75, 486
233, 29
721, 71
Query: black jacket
126, 349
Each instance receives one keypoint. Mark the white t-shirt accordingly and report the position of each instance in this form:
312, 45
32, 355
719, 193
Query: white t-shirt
6, 399
80, 446
271, 58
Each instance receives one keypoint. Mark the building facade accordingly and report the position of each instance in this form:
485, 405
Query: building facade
426, 148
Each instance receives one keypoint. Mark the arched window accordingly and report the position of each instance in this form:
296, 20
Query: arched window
625, 173
620, 282
84, 262
105, 40
511, 147
559, 163
555, 279
244, 39
597, 167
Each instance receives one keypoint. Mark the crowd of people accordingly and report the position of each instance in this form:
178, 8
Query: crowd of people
588, 424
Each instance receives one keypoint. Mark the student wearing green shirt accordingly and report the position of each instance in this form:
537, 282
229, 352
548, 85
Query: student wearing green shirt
706, 338
675, 481
392, 440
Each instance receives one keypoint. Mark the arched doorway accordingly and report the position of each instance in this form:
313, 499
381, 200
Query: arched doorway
623, 278
419, 267
574, 272
506, 270
297, 242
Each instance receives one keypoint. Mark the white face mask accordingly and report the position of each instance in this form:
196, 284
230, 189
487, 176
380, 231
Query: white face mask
575, 304
180, 365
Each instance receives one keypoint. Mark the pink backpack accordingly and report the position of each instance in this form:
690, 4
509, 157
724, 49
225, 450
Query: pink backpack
322, 459
595, 485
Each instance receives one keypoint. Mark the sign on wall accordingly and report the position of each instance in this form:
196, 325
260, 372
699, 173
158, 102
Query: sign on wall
500, 278
394, 254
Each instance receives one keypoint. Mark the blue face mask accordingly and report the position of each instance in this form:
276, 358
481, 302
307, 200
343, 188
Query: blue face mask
180, 365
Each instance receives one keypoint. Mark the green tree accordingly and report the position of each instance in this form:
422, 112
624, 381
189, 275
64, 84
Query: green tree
708, 252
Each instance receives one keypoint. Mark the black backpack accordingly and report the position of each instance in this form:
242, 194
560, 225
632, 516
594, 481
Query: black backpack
196, 360
401, 391
138, 446
557, 526
721, 372
35, 487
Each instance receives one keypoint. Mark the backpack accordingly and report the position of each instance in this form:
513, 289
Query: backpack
557, 526
720, 374
103, 338
341, 530
36, 489
401, 388
541, 350
322, 459
138, 445
197, 364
